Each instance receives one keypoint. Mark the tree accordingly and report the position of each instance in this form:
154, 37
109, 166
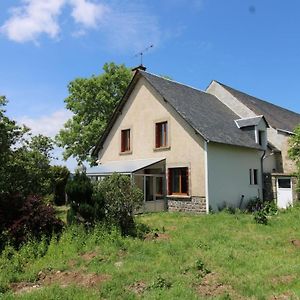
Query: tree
92, 102
59, 178
294, 151
24, 160
121, 198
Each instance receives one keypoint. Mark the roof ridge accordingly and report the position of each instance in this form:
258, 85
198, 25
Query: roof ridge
176, 82
268, 102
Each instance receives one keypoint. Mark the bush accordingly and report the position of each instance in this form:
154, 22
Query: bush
25, 218
120, 198
261, 210
79, 191
59, 179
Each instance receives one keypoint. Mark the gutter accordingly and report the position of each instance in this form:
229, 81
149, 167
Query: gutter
262, 172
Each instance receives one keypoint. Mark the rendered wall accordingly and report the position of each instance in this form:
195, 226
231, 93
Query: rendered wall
143, 109
228, 175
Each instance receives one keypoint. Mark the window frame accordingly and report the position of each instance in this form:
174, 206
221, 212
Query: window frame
170, 181
125, 140
161, 129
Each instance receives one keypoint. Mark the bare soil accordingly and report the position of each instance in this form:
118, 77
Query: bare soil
296, 243
61, 278
212, 287
138, 287
156, 236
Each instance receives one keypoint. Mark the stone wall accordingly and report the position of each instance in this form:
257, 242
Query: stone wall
193, 205
270, 188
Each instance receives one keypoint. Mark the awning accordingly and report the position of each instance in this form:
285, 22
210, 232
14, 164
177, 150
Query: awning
124, 167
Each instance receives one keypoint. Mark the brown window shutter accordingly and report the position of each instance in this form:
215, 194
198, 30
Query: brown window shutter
122, 141
169, 181
157, 135
187, 181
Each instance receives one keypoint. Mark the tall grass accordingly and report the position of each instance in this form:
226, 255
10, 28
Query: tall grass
255, 260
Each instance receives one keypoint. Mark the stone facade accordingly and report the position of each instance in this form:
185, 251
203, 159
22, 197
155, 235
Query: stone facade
270, 188
193, 205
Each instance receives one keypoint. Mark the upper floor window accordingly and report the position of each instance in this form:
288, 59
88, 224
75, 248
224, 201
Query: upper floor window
125, 140
178, 180
161, 134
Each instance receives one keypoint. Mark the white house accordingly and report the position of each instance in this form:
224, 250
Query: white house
280, 182
183, 147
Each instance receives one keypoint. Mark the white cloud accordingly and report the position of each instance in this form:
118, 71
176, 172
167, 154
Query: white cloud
87, 13
48, 125
32, 19
125, 25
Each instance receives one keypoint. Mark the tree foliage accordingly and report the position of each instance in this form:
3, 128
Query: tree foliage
121, 198
92, 101
59, 178
294, 150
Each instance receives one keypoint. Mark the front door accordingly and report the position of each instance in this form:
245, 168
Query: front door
284, 192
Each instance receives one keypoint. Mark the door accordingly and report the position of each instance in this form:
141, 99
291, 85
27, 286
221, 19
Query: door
284, 192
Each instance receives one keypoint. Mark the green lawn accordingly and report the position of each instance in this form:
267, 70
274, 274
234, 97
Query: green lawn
222, 256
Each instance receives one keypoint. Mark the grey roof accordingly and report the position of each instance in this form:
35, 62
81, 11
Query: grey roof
277, 117
125, 167
203, 111
254, 121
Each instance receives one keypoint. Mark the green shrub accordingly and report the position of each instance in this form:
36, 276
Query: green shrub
120, 198
79, 191
59, 179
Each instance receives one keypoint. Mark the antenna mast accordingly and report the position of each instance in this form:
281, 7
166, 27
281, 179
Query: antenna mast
141, 54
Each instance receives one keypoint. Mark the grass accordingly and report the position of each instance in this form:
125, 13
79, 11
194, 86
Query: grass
250, 260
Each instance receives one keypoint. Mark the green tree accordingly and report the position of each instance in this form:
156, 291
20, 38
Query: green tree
92, 101
120, 198
24, 160
294, 150
59, 179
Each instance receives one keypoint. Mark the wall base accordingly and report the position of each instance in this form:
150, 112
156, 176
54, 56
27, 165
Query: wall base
192, 205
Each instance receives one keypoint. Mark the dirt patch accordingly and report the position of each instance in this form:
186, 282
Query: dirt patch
89, 255
296, 243
61, 278
24, 287
156, 236
284, 296
211, 287
283, 279
138, 287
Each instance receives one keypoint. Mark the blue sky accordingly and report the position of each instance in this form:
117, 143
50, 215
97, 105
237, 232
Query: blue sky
253, 46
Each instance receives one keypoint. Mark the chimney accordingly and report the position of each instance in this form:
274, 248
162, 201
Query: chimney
140, 67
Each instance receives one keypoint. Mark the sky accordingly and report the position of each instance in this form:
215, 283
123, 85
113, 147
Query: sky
250, 45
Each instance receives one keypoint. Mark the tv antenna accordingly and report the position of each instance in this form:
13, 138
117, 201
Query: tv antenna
141, 53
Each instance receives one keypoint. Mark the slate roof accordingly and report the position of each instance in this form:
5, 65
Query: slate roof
254, 121
203, 111
277, 117
207, 115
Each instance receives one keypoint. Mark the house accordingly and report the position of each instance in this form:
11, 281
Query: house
279, 181
183, 147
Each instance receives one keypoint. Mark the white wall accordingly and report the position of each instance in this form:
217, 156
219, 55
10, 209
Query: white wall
228, 174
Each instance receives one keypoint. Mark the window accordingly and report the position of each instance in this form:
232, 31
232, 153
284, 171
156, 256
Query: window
284, 183
261, 135
125, 140
253, 176
178, 181
161, 134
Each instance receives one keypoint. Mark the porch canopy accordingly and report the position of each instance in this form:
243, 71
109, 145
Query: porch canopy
123, 167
